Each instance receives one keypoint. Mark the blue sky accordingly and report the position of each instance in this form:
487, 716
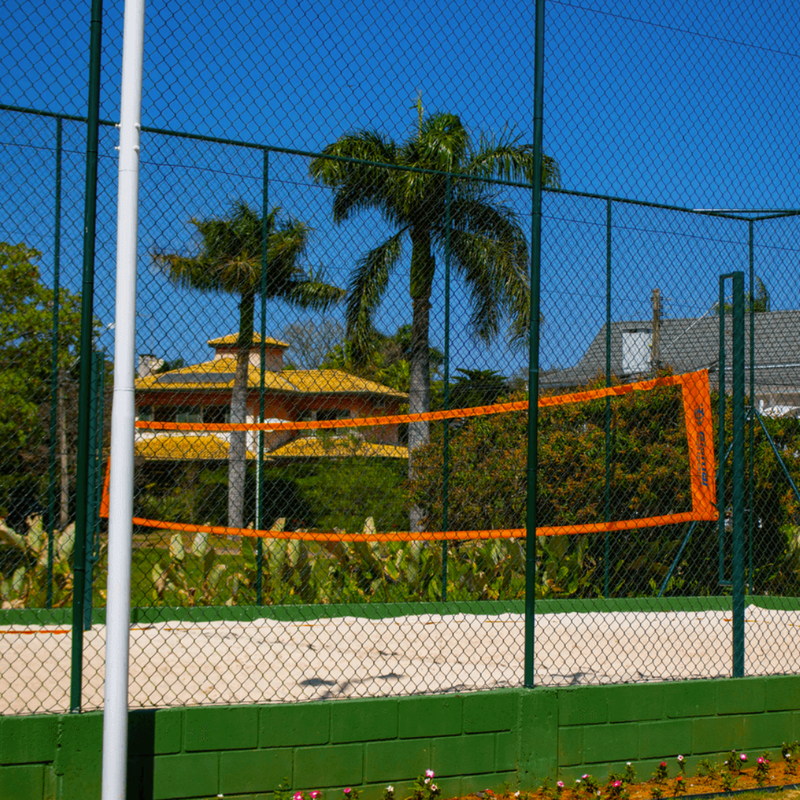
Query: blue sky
688, 103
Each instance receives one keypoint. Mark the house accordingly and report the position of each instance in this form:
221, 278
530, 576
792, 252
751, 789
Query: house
202, 393
692, 344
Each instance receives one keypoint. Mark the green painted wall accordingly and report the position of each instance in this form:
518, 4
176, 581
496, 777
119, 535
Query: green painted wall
472, 741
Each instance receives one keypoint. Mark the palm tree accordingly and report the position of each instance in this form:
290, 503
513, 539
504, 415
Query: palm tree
229, 262
488, 249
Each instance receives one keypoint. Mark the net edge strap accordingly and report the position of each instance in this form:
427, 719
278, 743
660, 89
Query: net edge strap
696, 397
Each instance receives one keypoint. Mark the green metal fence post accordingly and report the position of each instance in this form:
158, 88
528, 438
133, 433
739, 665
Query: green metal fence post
85, 386
446, 438
721, 435
51, 486
607, 543
262, 376
752, 430
738, 474
91, 499
533, 356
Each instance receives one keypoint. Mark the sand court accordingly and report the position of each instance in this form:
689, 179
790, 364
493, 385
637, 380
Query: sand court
272, 661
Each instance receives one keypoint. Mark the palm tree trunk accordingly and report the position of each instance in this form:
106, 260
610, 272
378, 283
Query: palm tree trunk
419, 389
237, 453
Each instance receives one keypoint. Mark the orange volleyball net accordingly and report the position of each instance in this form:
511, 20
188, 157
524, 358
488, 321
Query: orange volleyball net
696, 419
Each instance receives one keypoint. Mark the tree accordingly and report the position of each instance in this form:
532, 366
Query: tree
387, 361
230, 262
310, 342
488, 249
26, 330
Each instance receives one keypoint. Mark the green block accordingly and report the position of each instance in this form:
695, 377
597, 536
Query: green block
398, 760
506, 755
538, 733
335, 765
618, 742
25, 782
363, 720
768, 730
495, 781
741, 696
294, 724
587, 705
185, 775
570, 746
254, 770
26, 740
690, 699
662, 739
78, 763
717, 734
490, 711
429, 716
224, 728
632, 703
154, 732
463, 755
782, 693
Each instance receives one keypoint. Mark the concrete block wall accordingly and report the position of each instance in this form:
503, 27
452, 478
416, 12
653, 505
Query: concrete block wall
472, 741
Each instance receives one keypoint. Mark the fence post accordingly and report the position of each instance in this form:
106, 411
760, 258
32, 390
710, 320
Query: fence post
262, 376
446, 437
533, 356
85, 384
752, 360
607, 543
51, 486
721, 455
738, 475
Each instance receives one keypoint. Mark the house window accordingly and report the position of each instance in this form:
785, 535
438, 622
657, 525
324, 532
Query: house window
217, 414
636, 351
189, 414
333, 413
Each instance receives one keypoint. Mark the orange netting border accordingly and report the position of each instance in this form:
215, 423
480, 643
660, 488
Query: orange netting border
696, 395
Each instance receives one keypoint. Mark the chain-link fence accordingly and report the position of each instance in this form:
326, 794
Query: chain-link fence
333, 316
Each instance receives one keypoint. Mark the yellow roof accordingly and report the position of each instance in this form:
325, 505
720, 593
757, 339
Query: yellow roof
208, 447
183, 447
339, 447
232, 338
219, 374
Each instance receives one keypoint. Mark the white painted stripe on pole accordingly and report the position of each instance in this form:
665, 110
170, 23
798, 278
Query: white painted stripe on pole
118, 604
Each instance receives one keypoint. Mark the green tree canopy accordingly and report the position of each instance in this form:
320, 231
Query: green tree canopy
26, 342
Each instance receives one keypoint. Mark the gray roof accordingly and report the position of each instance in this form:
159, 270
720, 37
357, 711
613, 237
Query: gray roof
691, 344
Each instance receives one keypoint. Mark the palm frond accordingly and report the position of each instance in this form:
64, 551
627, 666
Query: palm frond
441, 145
358, 186
510, 160
365, 291
489, 249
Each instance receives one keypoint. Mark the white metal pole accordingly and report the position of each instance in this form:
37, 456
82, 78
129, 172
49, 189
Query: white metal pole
120, 526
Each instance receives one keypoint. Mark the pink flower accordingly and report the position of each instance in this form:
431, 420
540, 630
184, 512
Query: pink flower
313, 795
348, 791
585, 777
560, 784
617, 784
429, 773
298, 796
680, 758
663, 764
743, 756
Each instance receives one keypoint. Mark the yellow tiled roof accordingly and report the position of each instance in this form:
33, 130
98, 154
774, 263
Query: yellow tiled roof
232, 338
309, 447
219, 374
208, 447
183, 447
